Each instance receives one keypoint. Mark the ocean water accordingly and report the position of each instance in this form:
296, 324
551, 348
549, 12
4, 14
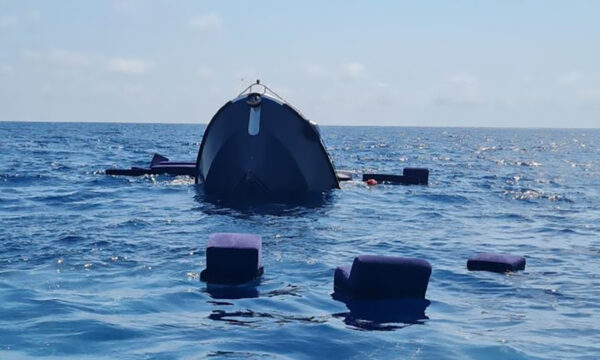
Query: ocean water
93, 266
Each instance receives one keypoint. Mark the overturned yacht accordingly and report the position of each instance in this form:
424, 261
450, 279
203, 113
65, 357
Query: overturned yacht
259, 147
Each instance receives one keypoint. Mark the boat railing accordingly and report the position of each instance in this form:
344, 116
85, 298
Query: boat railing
265, 90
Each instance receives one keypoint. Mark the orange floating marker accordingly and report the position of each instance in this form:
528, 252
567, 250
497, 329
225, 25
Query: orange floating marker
371, 182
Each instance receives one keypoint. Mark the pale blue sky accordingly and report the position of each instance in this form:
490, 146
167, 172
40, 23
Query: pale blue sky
405, 63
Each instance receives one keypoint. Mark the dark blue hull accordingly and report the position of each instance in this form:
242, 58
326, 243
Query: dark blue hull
257, 148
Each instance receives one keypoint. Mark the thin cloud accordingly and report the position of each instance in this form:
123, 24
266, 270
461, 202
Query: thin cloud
527, 79
126, 7
6, 69
457, 89
570, 77
353, 70
34, 16
205, 72
69, 58
589, 96
57, 56
74, 59
314, 70
210, 21
8, 21
129, 66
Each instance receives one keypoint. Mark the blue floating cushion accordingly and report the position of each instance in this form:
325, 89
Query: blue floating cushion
232, 258
421, 174
383, 277
496, 262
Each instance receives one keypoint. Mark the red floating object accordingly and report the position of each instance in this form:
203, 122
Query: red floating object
371, 182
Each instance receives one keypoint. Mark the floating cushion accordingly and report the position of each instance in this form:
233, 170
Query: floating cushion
383, 277
496, 263
421, 174
232, 258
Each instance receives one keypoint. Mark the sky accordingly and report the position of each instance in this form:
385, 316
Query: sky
503, 63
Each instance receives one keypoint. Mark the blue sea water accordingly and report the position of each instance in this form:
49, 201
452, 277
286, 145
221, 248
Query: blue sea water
96, 266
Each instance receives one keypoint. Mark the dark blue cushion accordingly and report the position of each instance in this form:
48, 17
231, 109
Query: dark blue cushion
420, 174
232, 258
496, 262
383, 277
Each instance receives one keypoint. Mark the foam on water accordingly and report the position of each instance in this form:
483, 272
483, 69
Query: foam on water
98, 266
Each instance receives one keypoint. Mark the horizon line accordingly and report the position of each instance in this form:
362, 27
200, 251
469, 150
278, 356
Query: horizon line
329, 125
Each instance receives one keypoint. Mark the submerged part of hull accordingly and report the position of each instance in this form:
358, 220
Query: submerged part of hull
257, 148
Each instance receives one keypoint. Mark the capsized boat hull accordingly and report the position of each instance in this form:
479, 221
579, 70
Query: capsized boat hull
257, 147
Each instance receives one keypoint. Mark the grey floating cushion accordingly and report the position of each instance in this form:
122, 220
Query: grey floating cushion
232, 258
383, 277
496, 262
